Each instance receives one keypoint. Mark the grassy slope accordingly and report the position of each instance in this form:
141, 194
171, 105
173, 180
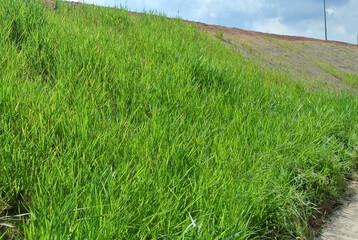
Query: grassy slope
115, 127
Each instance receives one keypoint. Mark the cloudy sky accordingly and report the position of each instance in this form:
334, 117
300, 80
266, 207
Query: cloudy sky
289, 17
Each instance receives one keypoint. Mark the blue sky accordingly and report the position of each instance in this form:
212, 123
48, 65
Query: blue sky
289, 17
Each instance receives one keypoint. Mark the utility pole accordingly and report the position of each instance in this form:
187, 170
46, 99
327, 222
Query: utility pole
325, 19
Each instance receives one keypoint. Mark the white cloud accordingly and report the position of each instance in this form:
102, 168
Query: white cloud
199, 12
331, 11
340, 29
306, 28
213, 15
272, 25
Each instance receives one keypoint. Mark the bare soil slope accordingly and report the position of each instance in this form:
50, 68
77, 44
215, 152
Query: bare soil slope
314, 61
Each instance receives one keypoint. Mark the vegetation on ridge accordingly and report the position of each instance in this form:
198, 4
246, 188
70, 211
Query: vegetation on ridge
113, 127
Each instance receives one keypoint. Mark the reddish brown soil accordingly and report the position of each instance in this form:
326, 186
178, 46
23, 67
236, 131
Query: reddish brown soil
237, 31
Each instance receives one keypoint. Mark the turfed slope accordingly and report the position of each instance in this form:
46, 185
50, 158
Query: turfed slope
314, 62
125, 126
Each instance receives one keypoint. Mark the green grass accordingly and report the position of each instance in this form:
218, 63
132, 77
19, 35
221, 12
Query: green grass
350, 78
120, 127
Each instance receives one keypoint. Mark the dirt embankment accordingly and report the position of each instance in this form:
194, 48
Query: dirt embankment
237, 31
313, 61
